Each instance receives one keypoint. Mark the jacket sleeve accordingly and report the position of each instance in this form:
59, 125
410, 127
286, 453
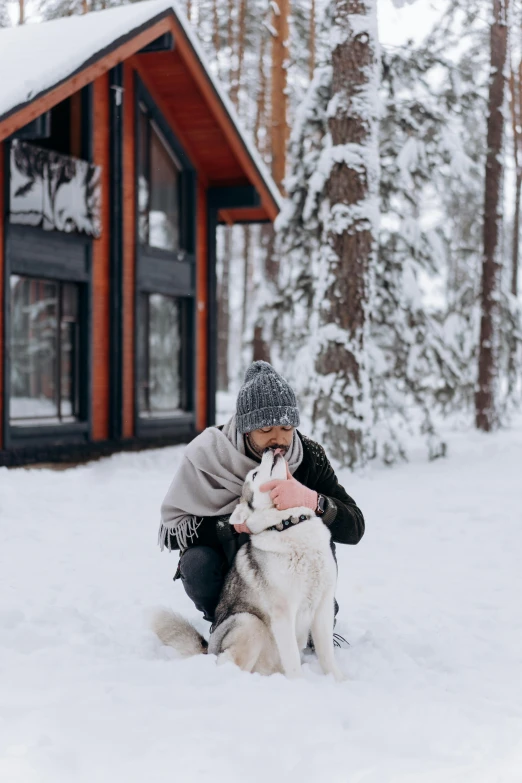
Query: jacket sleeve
343, 516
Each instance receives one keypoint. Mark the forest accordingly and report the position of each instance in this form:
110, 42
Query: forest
388, 290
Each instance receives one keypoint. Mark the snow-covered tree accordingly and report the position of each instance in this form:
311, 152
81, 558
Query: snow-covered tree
329, 233
4, 14
414, 360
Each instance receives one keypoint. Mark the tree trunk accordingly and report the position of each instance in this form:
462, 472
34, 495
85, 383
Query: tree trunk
21, 18
261, 351
516, 236
260, 120
342, 407
516, 117
279, 129
261, 136
224, 313
485, 404
312, 41
230, 34
247, 278
237, 71
215, 26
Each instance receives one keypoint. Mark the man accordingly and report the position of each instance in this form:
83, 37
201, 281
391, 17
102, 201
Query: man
208, 484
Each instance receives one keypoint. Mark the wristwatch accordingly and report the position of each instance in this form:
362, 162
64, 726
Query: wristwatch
321, 505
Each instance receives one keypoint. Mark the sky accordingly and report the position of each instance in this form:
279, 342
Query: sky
413, 21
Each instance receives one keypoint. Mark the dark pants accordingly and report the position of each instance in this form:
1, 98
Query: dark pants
203, 570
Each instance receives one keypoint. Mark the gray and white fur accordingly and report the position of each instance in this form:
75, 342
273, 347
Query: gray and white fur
279, 589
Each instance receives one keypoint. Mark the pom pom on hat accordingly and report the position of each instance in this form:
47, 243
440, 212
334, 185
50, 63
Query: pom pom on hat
256, 368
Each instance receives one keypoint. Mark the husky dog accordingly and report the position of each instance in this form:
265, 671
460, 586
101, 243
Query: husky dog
279, 589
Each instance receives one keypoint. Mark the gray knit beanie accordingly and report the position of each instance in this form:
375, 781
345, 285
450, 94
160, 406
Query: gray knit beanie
265, 400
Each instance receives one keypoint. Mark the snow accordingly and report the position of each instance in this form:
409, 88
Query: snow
430, 601
65, 45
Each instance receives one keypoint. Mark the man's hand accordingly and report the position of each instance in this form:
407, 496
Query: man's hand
289, 493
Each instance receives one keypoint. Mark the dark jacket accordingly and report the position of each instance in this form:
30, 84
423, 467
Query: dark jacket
342, 516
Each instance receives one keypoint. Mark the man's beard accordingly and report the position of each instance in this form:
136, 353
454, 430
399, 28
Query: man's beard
259, 451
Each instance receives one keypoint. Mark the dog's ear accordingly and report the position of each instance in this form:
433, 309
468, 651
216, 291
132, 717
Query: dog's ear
247, 496
240, 514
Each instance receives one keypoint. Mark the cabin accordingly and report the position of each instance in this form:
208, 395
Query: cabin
119, 156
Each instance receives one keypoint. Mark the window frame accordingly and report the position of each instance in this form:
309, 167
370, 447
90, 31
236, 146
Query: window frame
76, 368
167, 272
185, 307
153, 127
55, 255
61, 258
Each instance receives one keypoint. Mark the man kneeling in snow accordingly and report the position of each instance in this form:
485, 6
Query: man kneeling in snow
208, 484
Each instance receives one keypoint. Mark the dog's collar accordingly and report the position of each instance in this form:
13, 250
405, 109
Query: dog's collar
286, 523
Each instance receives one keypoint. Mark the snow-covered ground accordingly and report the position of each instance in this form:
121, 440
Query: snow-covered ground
430, 601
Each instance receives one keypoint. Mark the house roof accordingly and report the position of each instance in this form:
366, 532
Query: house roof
45, 55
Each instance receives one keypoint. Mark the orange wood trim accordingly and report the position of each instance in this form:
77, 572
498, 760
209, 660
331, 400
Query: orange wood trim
202, 309
224, 214
2, 347
252, 214
129, 250
79, 80
200, 76
182, 138
100, 268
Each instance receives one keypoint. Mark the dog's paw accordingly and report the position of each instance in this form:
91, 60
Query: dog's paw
340, 676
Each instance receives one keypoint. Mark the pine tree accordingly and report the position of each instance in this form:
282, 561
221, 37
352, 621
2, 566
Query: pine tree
414, 363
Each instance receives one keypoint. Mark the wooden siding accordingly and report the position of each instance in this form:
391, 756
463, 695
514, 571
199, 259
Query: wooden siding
2, 347
176, 91
247, 215
100, 268
202, 310
129, 251
212, 107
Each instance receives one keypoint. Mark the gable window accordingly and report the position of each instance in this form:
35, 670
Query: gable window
45, 351
158, 188
165, 276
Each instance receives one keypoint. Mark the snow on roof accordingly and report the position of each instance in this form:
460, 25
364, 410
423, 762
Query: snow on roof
42, 55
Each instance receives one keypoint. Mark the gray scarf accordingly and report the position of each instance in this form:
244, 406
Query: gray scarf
209, 481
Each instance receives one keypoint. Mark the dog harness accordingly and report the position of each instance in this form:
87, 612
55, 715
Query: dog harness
286, 523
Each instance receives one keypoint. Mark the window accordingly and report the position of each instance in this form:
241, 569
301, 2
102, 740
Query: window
158, 188
162, 355
44, 353
66, 127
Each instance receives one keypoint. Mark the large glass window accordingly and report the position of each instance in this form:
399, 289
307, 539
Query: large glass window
44, 352
158, 188
162, 365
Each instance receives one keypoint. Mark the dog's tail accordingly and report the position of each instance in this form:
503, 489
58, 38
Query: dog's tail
174, 631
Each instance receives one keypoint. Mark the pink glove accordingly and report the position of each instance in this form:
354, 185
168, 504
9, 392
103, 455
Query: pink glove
289, 493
